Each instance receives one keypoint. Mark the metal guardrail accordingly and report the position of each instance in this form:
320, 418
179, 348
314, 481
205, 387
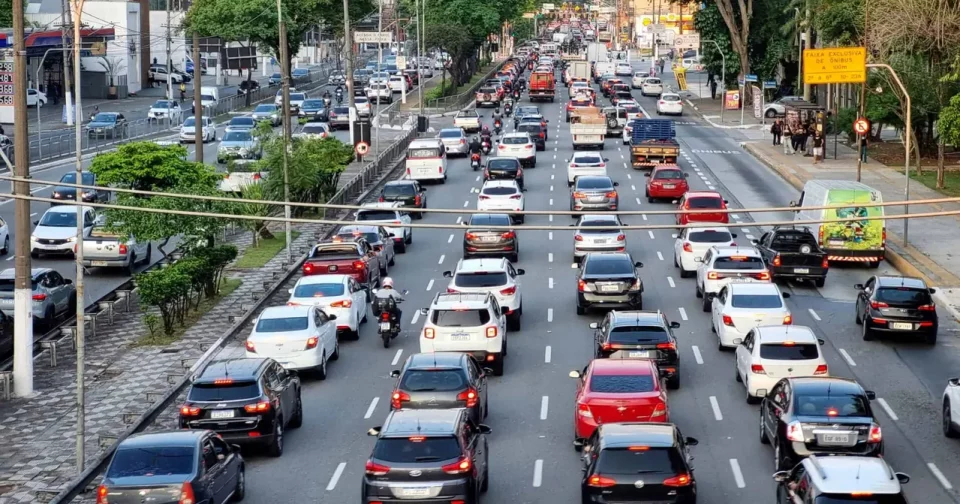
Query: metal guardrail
371, 172
458, 101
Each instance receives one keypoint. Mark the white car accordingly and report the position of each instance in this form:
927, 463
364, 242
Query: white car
623, 69
587, 238
739, 307
379, 92
670, 103
693, 243
392, 217
501, 196
468, 120
496, 276
520, 146
397, 83
297, 337
167, 110
470, 323
651, 86
721, 266
313, 131
36, 98
338, 295
779, 107
638, 77
56, 231
4, 237
585, 163
188, 130
951, 409
363, 105
771, 353
454, 140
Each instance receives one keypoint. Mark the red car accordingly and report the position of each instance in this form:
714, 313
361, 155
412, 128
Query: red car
618, 390
666, 182
702, 200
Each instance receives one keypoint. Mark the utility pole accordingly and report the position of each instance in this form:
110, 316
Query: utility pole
81, 391
863, 94
419, 41
287, 131
348, 64
23, 289
807, 35
170, 56
197, 109
68, 94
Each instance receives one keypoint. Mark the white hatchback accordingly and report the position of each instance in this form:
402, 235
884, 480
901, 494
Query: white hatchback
298, 337
721, 266
651, 86
770, 353
392, 217
637, 81
693, 243
469, 323
739, 307
520, 146
494, 275
623, 69
585, 163
669, 103
339, 295
501, 196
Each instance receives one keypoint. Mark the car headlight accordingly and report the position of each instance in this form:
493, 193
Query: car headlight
273, 116
72, 239
244, 151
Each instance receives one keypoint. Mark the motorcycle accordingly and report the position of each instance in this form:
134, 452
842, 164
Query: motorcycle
516, 94
475, 161
485, 146
508, 110
339, 97
326, 102
386, 310
497, 127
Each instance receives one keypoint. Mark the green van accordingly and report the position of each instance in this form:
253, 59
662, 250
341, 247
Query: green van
855, 241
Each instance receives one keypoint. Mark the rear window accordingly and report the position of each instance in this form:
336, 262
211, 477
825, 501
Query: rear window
738, 263
152, 461
591, 225
621, 384
399, 190
529, 128
710, 237
437, 380
416, 449
450, 134
711, 203
637, 335
423, 153
652, 81
789, 352
639, 461
489, 220
371, 238
670, 98
286, 324
588, 160
608, 266
234, 391
594, 183
314, 129
834, 405
516, 140
8, 285
668, 175
334, 251
376, 215
500, 190
859, 499
503, 164
319, 290
460, 318
242, 121
479, 280
755, 301
488, 90
903, 295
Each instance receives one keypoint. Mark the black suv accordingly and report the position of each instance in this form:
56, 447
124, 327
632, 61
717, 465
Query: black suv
640, 335
69, 194
442, 380
409, 193
894, 305
479, 240
504, 168
818, 416
246, 401
418, 451
609, 280
638, 462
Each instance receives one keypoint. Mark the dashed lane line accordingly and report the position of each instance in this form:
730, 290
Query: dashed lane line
751, 237
683, 314
939, 475
396, 356
442, 257
550, 282
696, 354
651, 234
644, 216
538, 473
886, 407
459, 219
373, 406
449, 240
549, 314
550, 235
745, 230
813, 314
550, 257
416, 317
737, 474
466, 204
846, 357
551, 201
671, 282
659, 255
544, 406
715, 406
336, 476
430, 284
633, 187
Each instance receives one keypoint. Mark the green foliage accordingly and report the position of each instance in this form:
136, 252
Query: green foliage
711, 26
522, 29
840, 22
153, 322
313, 168
167, 289
949, 125
150, 167
844, 120
250, 193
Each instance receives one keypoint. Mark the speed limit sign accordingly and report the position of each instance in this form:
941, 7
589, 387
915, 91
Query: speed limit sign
362, 148
861, 126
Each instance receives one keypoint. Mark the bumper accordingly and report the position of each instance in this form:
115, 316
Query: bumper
489, 354
480, 249
456, 490
582, 205
583, 427
498, 209
628, 300
582, 250
671, 110
666, 193
854, 256
106, 263
885, 325
308, 359
457, 149
685, 495
63, 248
759, 385
791, 272
797, 450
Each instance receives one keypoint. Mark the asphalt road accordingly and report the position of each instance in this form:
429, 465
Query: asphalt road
532, 405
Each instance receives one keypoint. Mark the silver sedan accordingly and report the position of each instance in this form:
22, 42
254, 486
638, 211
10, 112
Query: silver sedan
592, 192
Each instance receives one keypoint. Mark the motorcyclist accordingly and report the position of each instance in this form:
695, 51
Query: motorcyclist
387, 291
485, 134
475, 146
497, 116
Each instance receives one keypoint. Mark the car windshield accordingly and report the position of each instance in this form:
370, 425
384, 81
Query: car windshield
654, 82
756, 301
904, 295
609, 266
499, 190
490, 220
285, 324
206, 97
529, 127
399, 190
585, 226
334, 251
433, 380
525, 111
228, 390
710, 236
832, 405
372, 238
621, 384
631, 108
640, 461
480, 279
859, 499
237, 136
376, 215
460, 318
708, 203
638, 335
318, 290
515, 140
789, 351
670, 98
594, 183
152, 461
71, 178
668, 175
403, 450
53, 218
242, 121
312, 104
314, 129
105, 118
588, 159
162, 104
738, 263
451, 133
472, 115
190, 121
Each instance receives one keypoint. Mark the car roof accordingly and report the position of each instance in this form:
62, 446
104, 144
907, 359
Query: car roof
516, 134
636, 317
500, 183
322, 279
405, 182
432, 360
785, 333
754, 288
896, 281
584, 178
406, 422
715, 229
358, 228
608, 256
737, 250
822, 384
608, 367
283, 311
450, 130
180, 437
587, 153
626, 434
481, 265
502, 158
381, 205
850, 474
10, 273
241, 367
66, 208
600, 217
456, 300
703, 194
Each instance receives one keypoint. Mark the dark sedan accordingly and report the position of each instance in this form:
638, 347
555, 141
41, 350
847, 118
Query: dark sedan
504, 168
69, 194
408, 192
314, 110
537, 133
107, 125
441, 380
608, 281
892, 305
480, 240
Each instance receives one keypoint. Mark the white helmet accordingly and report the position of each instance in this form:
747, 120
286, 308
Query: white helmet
387, 283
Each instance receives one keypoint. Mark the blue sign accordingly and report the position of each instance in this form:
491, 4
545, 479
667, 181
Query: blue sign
752, 78
769, 84
740, 82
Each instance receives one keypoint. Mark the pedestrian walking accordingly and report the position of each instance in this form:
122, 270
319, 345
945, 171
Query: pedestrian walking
817, 148
863, 150
797, 138
713, 88
785, 133
777, 131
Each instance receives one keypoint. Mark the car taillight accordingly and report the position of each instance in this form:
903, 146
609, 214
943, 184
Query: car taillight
821, 370
757, 369
509, 291
359, 265
584, 410
509, 235
883, 240
417, 199
250, 346
875, 434
344, 303
713, 275
528, 146
581, 285
429, 333
679, 480
929, 307
577, 237
258, 407
471, 236
501, 146
825, 264
579, 195
186, 494
612, 194
483, 197
470, 396
776, 260
787, 320
876, 305
621, 237
660, 412
102, 495
542, 135
795, 432
378, 248
820, 236
463, 141
381, 199
574, 165
374, 469
763, 275
39, 297
398, 398
491, 332
189, 411
667, 346
123, 249
312, 342
598, 481
727, 320
516, 196
459, 467
307, 268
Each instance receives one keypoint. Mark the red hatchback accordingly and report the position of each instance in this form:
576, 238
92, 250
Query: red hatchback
702, 200
666, 182
618, 390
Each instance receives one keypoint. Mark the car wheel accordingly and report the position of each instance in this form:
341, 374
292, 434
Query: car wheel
763, 433
581, 310
393, 260
949, 430
276, 447
131, 265
676, 263
866, 332
336, 351
931, 339
820, 282
750, 399
497, 366
736, 374
485, 484
297, 419
241, 490
514, 258
674, 383
410, 237
706, 303
6, 245
513, 323
699, 292
770, 113
401, 246
686, 274
322, 369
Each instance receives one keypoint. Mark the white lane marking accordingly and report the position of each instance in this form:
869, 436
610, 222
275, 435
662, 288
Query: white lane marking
651, 234
550, 257
711, 186
416, 317
449, 240
554, 156
696, 354
538, 473
549, 314
644, 216
551, 217
670, 281
939, 475
478, 178
551, 176
396, 357
550, 282
544, 406
551, 201
846, 357
459, 219
696, 169
336, 476
814, 315
683, 313
735, 216
373, 406
551, 188
659, 255
466, 204
550, 235
886, 407
33, 214
442, 257
629, 177
638, 201
547, 354
750, 237
554, 165
745, 230
737, 474
11, 258
430, 284
633, 187
715, 406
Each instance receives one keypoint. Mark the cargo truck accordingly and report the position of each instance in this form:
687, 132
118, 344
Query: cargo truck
542, 86
588, 127
653, 142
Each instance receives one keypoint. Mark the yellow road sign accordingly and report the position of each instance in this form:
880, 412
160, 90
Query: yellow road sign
837, 65
681, 75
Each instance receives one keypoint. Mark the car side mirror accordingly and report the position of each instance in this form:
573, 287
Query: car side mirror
932, 290
484, 429
67, 281
521, 271
289, 291
754, 241
606, 160
221, 457
781, 476
646, 174
638, 264
674, 325
733, 235
616, 184
675, 202
871, 395
786, 295
523, 190
902, 478
447, 274
574, 374
487, 370
698, 259
737, 341
686, 175
235, 447
36, 222
594, 325
391, 235
464, 223
725, 202
821, 342
374, 431
424, 311
793, 204
504, 310
395, 373
691, 441
332, 317
858, 286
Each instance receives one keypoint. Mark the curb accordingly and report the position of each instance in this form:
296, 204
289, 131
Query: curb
721, 126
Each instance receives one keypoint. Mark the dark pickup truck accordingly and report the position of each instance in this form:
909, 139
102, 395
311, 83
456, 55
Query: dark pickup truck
793, 252
355, 258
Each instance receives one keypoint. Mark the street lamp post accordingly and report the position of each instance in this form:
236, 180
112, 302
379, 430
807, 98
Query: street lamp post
723, 77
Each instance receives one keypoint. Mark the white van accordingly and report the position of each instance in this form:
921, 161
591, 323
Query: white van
427, 160
855, 241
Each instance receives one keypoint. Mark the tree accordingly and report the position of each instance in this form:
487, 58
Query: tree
313, 168
737, 18
147, 166
257, 227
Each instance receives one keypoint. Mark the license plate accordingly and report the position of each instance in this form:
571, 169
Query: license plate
384, 326
415, 492
460, 337
609, 288
221, 414
639, 355
600, 241
838, 243
98, 263
595, 199
835, 439
669, 186
901, 326
488, 239
801, 270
